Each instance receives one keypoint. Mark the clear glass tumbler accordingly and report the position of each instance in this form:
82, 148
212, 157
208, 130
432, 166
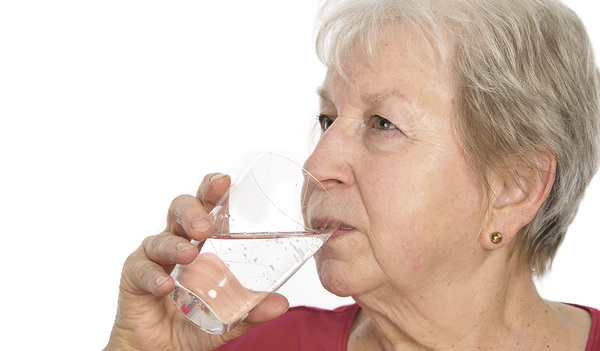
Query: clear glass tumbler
260, 240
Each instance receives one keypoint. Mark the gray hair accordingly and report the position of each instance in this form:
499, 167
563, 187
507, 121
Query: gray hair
526, 85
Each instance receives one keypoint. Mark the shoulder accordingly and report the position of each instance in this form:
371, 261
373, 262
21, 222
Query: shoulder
300, 328
594, 337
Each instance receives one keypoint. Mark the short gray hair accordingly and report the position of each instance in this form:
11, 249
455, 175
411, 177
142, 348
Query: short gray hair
526, 84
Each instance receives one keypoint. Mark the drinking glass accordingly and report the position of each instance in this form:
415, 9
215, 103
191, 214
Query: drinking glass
260, 240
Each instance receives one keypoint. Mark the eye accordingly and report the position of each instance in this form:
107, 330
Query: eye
325, 121
382, 123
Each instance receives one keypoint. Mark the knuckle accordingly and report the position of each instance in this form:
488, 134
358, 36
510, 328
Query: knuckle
176, 206
134, 271
143, 272
127, 272
179, 200
161, 248
183, 207
150, 244
154, 246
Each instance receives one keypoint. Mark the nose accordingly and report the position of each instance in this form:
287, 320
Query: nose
330, 162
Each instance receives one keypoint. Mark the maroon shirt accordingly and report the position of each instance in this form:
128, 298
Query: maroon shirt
300, 328
314, 329
594, 338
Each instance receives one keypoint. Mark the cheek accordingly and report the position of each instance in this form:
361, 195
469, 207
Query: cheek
399, 241
424, 215
397, 219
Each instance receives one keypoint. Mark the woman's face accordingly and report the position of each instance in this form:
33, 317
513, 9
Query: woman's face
410, 206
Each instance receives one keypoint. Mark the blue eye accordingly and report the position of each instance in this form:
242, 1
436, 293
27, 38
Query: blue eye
382, 123
325, 122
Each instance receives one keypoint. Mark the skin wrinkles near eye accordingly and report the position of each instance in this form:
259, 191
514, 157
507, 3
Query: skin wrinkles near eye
390, 118
375, 122
371, 102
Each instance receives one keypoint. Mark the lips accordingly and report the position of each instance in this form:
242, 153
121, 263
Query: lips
341, 230
326, 225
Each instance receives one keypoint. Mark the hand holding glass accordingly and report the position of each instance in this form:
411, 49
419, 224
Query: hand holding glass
259, 241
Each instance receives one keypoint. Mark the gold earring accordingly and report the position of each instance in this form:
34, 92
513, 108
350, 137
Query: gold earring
496, 237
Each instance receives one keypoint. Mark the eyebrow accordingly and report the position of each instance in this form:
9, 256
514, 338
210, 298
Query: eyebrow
324, 95
376, 98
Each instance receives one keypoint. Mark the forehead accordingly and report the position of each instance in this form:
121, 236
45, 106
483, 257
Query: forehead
400, 59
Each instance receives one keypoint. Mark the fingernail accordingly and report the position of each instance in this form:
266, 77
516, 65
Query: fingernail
200, 225
217, 176
184, 246
161, 279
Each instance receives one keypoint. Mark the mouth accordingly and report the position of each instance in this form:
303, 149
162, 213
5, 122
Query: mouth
341, 231
336, 227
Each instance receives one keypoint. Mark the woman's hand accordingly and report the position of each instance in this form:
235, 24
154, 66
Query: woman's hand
146, 319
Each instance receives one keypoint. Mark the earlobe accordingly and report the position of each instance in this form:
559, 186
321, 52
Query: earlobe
496, 238
516, 200
491, 240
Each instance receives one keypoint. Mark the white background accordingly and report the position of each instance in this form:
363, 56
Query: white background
109, 109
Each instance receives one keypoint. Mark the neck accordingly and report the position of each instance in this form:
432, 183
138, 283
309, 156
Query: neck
489, 309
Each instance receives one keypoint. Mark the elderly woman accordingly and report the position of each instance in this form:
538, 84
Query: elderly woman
459, 137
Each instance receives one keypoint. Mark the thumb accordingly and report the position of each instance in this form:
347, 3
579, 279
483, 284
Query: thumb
273, 307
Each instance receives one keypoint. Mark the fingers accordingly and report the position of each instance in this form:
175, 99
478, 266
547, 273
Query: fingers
212, 189
188, 218
273, 307
142, 276
188, 215
147, 268
167, 249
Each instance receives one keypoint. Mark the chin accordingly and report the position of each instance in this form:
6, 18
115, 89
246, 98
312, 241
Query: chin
336, 278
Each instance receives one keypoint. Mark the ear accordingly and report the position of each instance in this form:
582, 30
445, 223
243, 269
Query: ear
516, 199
